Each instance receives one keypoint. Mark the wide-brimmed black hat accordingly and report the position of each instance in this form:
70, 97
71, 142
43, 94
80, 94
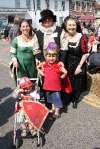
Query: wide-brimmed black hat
47, 14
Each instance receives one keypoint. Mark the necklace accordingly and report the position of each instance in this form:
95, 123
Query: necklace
25, 38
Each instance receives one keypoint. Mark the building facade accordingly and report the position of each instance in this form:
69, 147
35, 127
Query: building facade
81, 7
97, 13
30, 9
59, 7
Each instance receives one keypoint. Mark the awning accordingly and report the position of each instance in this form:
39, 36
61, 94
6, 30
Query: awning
87, 18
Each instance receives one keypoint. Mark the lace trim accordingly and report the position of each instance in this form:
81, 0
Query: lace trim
25, 44
49, 30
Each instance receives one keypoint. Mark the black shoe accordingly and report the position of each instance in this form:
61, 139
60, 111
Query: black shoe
65, 109
75, 105
56, 116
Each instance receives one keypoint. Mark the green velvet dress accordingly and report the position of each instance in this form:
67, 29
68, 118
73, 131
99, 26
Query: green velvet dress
23, 52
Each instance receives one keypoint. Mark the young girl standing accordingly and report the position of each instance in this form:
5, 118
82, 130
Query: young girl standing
53, 72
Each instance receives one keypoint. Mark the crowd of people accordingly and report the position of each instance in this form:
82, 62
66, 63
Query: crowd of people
55, 53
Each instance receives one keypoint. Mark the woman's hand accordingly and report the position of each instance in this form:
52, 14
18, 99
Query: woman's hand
15, 63
63, 70
78, 70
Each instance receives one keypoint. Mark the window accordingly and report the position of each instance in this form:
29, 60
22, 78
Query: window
77, 5
47, 3
63, 5
83, 6
17, 3
28, 4
56, 5
60, 20
88, 6
38, 5
72, 6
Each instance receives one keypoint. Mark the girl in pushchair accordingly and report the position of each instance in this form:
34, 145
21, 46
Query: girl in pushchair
25, 92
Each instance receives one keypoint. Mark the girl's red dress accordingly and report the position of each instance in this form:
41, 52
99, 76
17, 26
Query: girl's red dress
52, 77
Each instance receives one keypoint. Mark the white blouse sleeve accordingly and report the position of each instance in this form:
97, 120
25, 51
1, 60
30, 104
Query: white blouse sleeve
36, 49
64, 41
35, 42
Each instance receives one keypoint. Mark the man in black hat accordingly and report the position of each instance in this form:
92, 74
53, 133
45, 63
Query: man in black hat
48, 31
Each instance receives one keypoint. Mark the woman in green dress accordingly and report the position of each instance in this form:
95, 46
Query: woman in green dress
23, 50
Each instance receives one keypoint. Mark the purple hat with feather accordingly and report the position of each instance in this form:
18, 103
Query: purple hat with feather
52, 46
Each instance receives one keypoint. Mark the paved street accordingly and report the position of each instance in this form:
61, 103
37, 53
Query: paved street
77, 129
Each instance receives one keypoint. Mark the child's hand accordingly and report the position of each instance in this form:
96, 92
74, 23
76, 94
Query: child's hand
61, 64
63, 76
21, 90
16, 93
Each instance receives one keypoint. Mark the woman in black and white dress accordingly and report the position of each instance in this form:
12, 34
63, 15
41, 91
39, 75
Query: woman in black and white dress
73, 46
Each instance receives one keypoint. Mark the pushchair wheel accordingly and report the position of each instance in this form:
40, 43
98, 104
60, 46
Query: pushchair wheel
39, 141
17, 143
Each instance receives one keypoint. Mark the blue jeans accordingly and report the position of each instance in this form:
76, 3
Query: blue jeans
54, 97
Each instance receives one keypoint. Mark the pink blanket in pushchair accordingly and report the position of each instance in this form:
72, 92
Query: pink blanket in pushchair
35, 112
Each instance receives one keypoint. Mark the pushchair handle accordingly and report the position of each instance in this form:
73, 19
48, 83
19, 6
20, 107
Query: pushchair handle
32, 79
29, 78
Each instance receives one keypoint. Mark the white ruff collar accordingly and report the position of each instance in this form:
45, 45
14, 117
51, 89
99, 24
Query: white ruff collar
47, 31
